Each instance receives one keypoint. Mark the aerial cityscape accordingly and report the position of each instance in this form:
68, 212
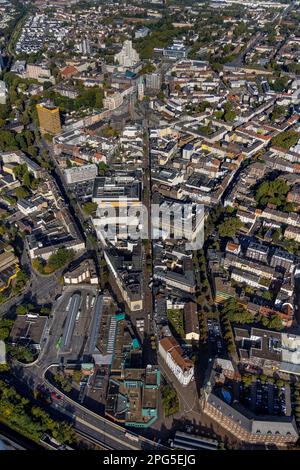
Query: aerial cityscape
149, 225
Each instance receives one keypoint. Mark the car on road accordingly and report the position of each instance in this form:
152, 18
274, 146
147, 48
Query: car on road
55, 396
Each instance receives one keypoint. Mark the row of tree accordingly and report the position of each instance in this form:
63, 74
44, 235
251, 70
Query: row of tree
17, 412
236, 312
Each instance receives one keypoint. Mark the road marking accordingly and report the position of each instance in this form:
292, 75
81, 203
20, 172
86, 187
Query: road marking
82, 421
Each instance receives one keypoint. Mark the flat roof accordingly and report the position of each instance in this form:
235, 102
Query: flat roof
71, 318
28, 328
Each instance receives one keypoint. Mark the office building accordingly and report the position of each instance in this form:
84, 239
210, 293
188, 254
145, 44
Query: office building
141, 89
84, 47
142, 32
81, 173
28, 330
176, 51
39, 72
153, 81
49, 118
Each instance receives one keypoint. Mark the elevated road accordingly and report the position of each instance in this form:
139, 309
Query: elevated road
95, 427
100, 429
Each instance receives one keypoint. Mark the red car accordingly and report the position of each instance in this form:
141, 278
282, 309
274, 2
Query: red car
55, 396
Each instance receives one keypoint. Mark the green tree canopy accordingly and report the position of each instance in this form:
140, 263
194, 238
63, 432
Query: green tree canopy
272, 192
286, 139
229, 227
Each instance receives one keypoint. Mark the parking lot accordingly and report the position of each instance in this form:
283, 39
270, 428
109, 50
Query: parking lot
264, 398
214, 334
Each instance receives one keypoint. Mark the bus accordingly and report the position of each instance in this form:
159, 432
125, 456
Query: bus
132, 437
69, 303
58, 343
78, 315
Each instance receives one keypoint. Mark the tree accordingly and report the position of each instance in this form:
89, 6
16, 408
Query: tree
247, 380
90, 207
272, 192
22, 309
278, 112
58, 260
279, 84
47, 85
236, 312
63, 382
21, 280
169, 400
275, 323
286, 139
4, 333
77, 376
229, 116
22, 353
45, 310
38, 264
102, 167
31, 421
7, 141
229, 227
32, 150
109, 131
216, 66
206, 130
267, 295
147, 68
20, 171
21, 193
27, 180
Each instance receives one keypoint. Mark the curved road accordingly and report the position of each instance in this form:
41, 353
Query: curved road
96, 427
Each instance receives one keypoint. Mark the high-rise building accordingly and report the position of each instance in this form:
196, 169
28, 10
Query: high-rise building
3, 92
84, 47
128, 56
153, 81
141, 89
49, 118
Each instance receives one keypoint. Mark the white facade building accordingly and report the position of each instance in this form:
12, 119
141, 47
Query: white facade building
81, 173
112, 102
171, 352
128, 57
3, 92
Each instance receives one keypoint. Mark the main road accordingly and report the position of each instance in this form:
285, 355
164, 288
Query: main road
92, 425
